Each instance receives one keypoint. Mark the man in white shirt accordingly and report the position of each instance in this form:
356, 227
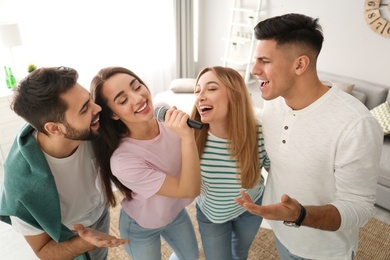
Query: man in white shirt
323, 144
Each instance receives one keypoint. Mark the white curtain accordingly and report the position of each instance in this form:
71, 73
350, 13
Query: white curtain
90, 35
184, 23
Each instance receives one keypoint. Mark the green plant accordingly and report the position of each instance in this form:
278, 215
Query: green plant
31, 68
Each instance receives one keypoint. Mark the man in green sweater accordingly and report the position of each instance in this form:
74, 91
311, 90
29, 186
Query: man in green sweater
51, 193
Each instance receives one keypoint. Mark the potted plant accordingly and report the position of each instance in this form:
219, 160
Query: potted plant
251, 20
234, 45
31, 67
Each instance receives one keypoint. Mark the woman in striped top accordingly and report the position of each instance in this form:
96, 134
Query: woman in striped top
232, 154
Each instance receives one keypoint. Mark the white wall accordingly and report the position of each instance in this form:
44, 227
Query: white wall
350, 48
90, 35
214, 17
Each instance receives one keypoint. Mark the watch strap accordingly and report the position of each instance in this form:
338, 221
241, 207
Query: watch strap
300, 219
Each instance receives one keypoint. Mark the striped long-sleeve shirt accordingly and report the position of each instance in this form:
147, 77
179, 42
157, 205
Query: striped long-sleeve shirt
219, 180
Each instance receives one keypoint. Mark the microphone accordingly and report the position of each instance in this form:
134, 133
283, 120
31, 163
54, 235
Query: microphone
159, 114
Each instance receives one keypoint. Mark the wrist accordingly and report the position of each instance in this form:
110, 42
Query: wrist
298, 222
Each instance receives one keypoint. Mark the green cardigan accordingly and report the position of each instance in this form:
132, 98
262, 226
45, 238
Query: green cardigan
29, 191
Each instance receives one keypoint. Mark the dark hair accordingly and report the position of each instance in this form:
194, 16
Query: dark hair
110, 133
297, 29
38, 96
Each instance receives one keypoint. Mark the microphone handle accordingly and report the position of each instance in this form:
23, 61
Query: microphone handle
194, 124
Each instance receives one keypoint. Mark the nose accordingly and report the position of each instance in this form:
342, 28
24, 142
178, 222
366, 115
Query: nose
135, 98
96, 108
255, 69
201, 96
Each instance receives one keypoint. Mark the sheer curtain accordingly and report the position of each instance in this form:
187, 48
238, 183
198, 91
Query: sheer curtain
89, 35
185, 32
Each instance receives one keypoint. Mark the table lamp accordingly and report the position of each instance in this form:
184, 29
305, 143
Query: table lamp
10, 38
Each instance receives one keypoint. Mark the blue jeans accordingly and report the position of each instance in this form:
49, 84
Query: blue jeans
229, 240
285, 254
145, 243
103, 225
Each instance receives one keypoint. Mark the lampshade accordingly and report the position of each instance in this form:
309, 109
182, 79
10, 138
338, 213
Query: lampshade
10, 35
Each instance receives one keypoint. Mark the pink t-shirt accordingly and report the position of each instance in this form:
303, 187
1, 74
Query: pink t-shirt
142, 165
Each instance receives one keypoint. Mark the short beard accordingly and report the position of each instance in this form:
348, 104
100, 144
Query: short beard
80, 135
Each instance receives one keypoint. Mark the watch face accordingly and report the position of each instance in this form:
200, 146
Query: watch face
290, 224
373, 12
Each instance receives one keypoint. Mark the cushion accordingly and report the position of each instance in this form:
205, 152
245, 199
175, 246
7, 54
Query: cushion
182, 85
360, 96
347, 87
344, 86
382, 114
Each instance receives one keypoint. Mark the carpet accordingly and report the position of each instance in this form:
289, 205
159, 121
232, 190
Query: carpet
374, 242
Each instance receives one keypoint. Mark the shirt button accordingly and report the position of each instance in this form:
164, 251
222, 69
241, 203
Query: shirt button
286, 127
284, 141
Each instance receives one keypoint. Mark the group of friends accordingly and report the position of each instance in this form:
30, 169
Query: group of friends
319, 145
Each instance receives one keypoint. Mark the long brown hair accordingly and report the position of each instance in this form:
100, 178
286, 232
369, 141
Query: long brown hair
243, 130
110, 133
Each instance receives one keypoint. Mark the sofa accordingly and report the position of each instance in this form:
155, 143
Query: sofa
376, 98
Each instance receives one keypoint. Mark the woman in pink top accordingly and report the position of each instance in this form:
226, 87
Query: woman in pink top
155, 165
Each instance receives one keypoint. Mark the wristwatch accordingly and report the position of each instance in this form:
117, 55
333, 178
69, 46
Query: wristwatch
300, 219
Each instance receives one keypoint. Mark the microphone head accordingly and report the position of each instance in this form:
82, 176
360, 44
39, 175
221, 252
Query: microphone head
160, 109
159, 113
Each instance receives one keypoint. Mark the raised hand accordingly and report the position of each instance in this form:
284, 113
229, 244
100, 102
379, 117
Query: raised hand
97, 238
288, 209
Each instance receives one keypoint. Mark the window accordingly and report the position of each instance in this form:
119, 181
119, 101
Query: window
89, 35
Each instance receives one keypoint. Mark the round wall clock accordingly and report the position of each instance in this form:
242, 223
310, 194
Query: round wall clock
374, 17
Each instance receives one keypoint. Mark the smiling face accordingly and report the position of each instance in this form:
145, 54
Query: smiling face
128, 99
274, 67
211, 99
82, 116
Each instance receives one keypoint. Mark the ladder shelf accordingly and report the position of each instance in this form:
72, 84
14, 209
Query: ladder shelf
240, 43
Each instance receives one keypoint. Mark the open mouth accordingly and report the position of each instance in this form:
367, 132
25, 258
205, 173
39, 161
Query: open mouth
142, 108
264, 83
205, 108
95, 121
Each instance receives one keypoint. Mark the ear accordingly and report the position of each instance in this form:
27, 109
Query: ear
53, 128
301, 64
114, 116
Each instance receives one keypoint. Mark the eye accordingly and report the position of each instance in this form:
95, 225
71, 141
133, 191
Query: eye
138, 88
212, 87
264, 61
85, 107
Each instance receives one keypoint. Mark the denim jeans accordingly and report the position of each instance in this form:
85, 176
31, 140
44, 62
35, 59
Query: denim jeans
145, 243
103, 225
229, 240
284, 254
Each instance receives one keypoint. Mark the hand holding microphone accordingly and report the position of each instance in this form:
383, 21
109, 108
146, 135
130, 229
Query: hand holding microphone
161, 110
